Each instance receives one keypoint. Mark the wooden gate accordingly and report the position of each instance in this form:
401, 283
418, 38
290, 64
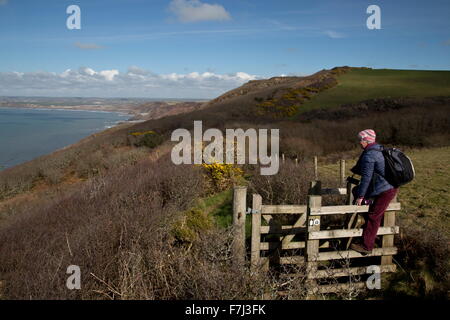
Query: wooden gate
303, 241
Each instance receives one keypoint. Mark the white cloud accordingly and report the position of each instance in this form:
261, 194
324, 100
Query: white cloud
194, 10
244, 76
88, 71
135, 82
334, 34
109, 74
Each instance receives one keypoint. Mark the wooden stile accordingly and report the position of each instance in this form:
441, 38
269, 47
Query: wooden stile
313, 248
342, 272
316, 172
312, 224
283, 209
388, 239
256, 231
349, 254
345, 233
342, 172
239, 203
320, 211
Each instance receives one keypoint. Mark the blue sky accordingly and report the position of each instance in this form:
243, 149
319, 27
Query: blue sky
202, 48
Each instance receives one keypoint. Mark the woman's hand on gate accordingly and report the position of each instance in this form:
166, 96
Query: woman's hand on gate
359, 201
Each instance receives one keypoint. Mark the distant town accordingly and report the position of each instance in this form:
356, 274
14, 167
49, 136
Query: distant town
138, 108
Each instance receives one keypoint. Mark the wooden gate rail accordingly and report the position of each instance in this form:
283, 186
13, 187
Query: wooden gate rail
321, 211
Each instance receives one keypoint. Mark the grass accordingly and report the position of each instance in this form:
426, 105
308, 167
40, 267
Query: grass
362, 84
425, 200
219, 206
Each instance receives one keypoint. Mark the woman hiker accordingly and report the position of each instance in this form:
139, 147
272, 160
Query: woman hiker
373, 189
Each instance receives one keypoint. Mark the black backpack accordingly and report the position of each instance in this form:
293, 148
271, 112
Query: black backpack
399, 169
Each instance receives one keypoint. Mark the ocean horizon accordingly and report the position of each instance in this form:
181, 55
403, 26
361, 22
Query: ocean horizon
26, 134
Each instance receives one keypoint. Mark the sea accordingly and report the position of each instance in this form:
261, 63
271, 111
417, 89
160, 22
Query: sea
29, 133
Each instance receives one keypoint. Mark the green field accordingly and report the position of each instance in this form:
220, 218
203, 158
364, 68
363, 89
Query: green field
362, 84
426, 199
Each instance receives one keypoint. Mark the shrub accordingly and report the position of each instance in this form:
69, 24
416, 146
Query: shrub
190, 225
222, 176
148, 138
95, 227
289, 186
119, 229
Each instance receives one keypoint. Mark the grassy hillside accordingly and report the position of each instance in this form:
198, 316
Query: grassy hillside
363, 84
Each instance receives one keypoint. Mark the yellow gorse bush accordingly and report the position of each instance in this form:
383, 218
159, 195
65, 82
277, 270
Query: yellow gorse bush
221, 174
142, 133
221, 170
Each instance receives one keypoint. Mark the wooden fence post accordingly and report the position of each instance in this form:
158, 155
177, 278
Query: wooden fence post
350, 197
239, 204
354, 217
312, 224
256, 232
316, 173
342, 172
388, 240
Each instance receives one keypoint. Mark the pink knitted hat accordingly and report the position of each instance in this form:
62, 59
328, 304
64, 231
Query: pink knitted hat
367, 135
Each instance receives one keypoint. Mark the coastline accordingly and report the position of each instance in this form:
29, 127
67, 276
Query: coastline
87, 108
119, 119
129, 113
